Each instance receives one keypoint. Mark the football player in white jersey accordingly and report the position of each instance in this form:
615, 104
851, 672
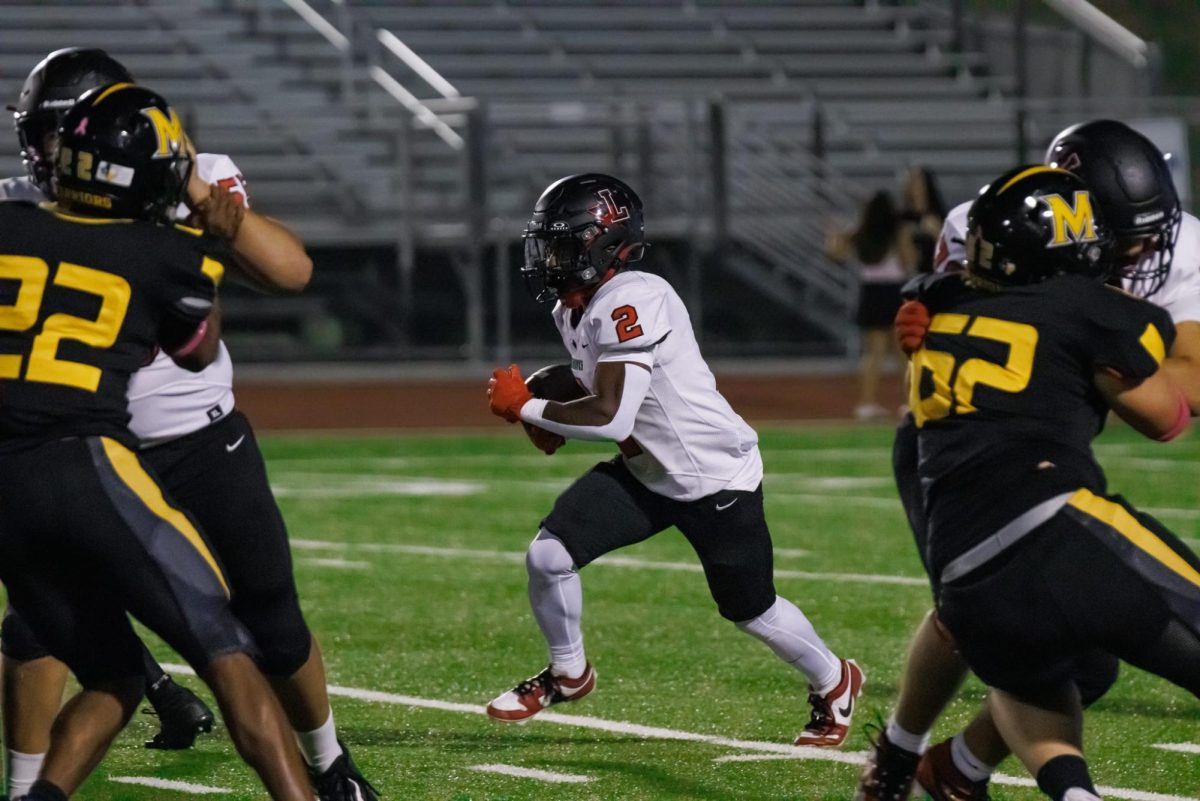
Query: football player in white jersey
687, 459
1160, 246
206, 456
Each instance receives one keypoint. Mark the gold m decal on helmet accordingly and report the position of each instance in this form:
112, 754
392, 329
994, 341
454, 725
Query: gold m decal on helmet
168, 130
1073, 222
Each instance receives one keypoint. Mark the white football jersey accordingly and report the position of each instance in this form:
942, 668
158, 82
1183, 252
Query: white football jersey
1180, 295
693, 443
165, 400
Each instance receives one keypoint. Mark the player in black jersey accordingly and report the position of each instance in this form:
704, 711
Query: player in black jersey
91, 287
1034, 565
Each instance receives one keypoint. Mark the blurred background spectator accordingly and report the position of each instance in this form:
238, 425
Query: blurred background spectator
882, 248
923, 213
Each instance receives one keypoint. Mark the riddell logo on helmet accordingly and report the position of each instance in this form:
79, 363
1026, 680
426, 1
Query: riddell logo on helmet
1149, 217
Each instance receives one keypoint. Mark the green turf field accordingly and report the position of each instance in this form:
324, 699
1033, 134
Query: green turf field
409, 557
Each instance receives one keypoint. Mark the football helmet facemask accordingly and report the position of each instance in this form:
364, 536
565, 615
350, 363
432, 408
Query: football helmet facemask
583, 228
1131, 181
1034, 223
121, 153
52, 88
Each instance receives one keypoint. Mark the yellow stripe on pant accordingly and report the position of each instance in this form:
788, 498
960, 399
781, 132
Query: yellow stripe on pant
131, 472
1119, 519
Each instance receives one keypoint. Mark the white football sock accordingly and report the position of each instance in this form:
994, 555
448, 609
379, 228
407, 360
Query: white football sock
967, 763
899, 736
1079, 794
787, 632
556, 595
320, 746
21, 771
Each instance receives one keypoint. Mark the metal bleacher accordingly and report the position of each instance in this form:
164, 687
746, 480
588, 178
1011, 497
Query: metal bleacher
777, 113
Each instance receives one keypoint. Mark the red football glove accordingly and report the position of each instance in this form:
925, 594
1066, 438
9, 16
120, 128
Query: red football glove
912, 324
507, 393
545, 441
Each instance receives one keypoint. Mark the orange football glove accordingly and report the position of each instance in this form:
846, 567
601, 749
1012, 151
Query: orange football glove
912, 324
507, 393
545, 441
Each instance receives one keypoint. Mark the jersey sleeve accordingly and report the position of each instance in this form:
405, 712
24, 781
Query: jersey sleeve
220, 169
1129, 336
1180, 295
628, 323
192, 271
951, 246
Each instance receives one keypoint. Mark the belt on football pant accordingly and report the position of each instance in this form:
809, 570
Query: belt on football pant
1013, 532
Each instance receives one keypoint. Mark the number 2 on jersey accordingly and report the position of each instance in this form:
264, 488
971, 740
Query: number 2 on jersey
31, 275
627, 325
954, 382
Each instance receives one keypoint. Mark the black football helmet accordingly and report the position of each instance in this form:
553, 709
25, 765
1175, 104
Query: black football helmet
52, 88
121, 153
1132, 183
583, 226
1034, 223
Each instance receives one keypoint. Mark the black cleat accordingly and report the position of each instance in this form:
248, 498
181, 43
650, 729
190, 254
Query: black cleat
889, 772
343, 781
182, 716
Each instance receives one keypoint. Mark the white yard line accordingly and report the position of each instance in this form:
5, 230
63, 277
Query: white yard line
531, 773
660, 733
358, 485
1182, 748
792, 552
344, 564
604, 561
167, 784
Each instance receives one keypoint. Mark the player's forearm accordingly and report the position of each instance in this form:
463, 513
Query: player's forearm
1186, 375
201, 349
1156, 407
607, 415
1183, 362
270, 255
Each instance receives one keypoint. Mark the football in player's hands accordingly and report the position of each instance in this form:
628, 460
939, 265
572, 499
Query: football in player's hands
555, 382
912, 324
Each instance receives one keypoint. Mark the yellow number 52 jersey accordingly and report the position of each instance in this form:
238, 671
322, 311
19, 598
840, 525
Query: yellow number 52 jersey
1003, 395
84, 302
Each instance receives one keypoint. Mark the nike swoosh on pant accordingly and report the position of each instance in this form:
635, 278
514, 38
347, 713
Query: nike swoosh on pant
721, 508
235, 445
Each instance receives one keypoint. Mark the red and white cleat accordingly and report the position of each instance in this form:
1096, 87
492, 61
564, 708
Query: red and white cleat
831, 713
538, 692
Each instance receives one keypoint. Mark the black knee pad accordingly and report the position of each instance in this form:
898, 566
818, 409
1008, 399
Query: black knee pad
278, 626
1094, 674
17, 640
738, 604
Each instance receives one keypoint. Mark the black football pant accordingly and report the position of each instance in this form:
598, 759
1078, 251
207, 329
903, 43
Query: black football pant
217, 474
88, 536
1099, 575
1095, 671
607, 508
